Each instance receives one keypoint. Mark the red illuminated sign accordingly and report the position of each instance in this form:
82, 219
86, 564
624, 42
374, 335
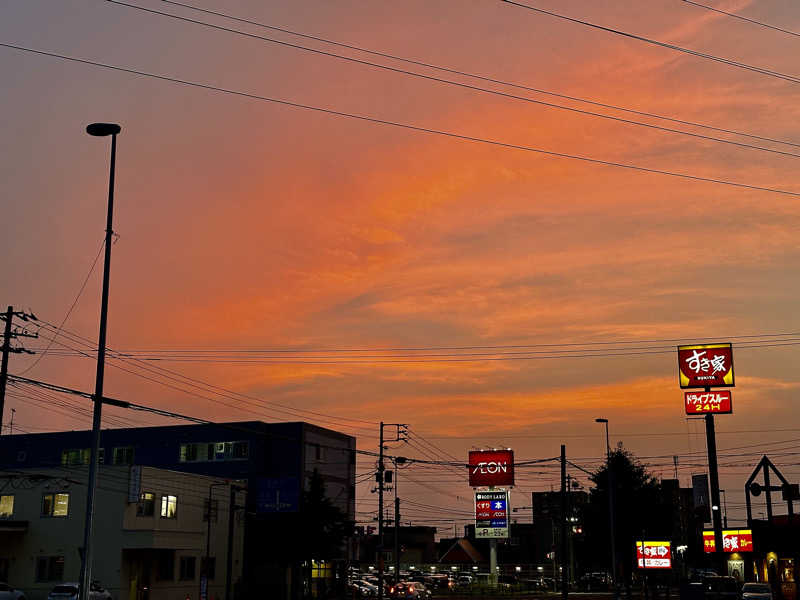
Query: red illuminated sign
653, 555
700, 403
491, 468
707, 365
733, 540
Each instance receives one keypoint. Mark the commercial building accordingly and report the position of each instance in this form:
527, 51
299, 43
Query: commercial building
275, 462
153, 532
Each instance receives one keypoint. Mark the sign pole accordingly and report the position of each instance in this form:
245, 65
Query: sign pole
563, 561
493, 562
713, 476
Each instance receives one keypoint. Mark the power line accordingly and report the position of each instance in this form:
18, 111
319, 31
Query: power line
757, 337
69, 312
455, 83
208, 387
453, 71
740, 17
719, 59
407, 126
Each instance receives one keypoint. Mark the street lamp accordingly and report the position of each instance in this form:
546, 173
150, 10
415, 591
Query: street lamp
610, 508
99, 130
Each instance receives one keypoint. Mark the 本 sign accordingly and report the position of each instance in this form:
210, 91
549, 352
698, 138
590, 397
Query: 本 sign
701, 403
706, 365
491, 468
653, 555
733, 540
491, 514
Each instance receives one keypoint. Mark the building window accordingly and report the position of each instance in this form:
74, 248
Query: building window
55, 505
123, 456
50, 568
187, 568
6, 507
213, 451
169, 507
165, 565
209, 566
80, 456
213, 514
147, 505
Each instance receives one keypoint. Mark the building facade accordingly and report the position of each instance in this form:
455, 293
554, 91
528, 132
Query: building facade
151, 532
275, 462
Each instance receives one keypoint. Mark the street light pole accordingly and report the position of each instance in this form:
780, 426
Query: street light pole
611, 524
100, 130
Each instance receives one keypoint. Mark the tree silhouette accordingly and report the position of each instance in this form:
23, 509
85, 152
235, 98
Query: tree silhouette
641, 512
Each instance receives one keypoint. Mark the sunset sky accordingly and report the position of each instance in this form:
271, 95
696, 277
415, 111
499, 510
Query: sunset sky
319, 267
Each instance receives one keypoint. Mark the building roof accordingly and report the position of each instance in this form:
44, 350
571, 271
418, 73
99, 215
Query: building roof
462, 551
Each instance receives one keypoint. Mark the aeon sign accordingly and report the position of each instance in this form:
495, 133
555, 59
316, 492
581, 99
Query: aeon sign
491, 468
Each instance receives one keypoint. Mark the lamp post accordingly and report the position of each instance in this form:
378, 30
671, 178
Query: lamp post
98, 130
611, 525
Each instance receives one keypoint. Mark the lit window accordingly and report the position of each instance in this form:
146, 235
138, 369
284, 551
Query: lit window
6, 507
55, 505
80, 456
146, 505
169, 507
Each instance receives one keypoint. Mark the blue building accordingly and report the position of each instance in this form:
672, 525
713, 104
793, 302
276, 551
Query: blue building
274, 460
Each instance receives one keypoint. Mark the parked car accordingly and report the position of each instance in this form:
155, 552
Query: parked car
404, 590
720, 588
756, 591
9, 593
422, 590
367, 589
70, 591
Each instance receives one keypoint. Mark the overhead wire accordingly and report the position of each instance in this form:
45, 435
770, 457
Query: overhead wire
69, 311
739, 17
487, 79
676, 48
451, 82
408, 126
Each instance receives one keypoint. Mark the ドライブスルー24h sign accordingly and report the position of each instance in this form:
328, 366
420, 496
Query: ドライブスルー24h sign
703, 403
706, 365
491, 468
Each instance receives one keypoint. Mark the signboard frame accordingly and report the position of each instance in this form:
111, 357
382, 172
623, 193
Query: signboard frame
491, 525
642, 558
746, 535
724, 398
710, 376
491, 468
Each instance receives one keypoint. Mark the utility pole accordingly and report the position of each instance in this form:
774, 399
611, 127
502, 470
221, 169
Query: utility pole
396, 534
381, 477
205, 569
564, 566
571, 513
399, 460
231, 513
8, 333
380, 516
